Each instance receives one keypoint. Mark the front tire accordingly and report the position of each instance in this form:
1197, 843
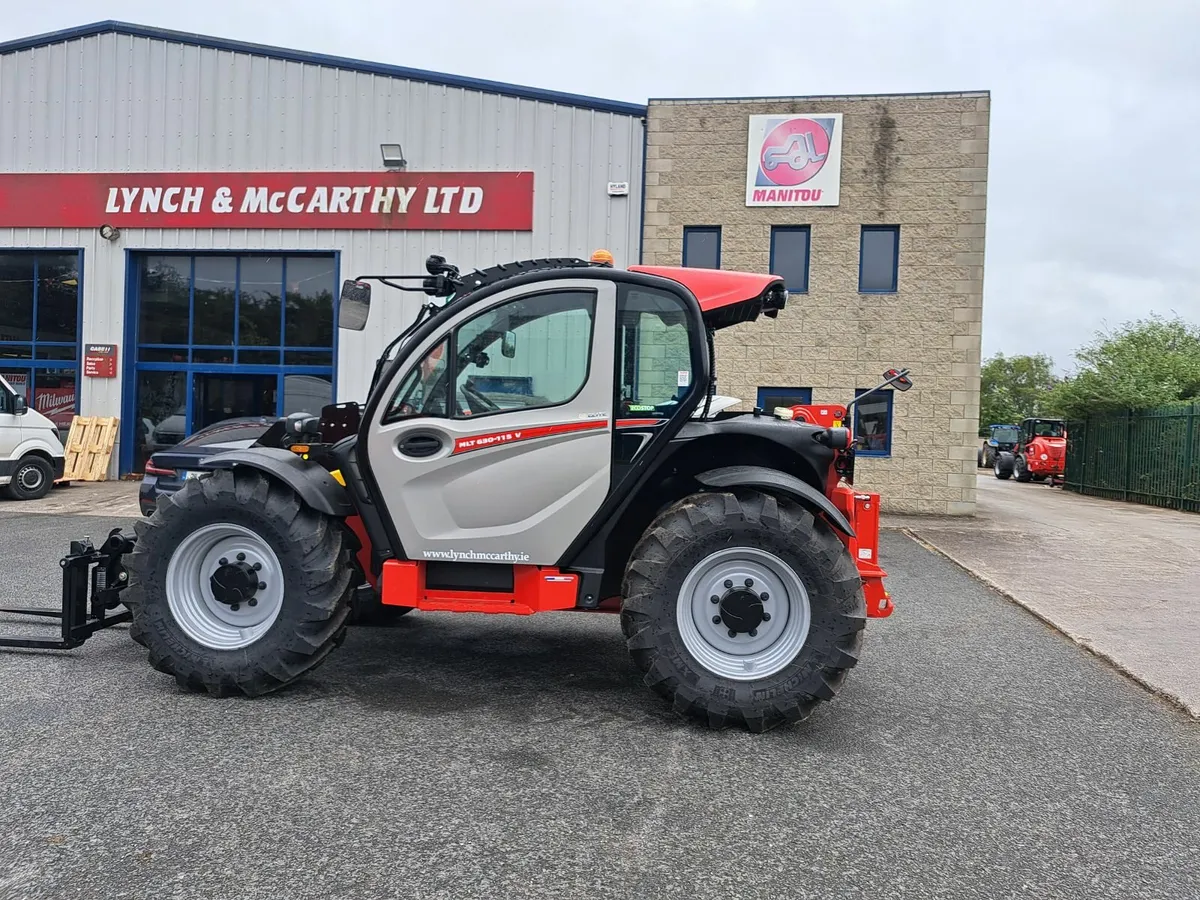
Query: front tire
196, 606
31, 480
768, 661
1003, 467
1021, 470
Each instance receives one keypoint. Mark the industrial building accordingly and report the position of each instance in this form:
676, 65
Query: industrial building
177, 213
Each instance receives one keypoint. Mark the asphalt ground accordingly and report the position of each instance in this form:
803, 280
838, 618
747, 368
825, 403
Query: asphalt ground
974, 753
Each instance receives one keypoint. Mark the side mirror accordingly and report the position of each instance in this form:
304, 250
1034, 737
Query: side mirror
902, 382
508, 345
354, 305
20, 407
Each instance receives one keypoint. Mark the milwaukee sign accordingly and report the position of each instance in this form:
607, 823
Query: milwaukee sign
433, 201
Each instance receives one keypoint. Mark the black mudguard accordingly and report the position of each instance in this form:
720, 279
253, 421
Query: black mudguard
314, 485
772, 480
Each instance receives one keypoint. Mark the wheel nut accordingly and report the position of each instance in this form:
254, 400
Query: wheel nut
252, 601
728, 582
258, 567
766, 617
716, 620
733, 633
715, 599
223, 561
262, 585
753, 632
234, 606
749, 582
241, 557
764, 597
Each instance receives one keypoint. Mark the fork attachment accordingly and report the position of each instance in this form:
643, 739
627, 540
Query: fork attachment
92, 581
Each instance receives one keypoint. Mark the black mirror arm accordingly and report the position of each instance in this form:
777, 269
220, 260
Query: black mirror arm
901, 374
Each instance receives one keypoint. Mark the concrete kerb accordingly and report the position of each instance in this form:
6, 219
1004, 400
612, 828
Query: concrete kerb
1161, 693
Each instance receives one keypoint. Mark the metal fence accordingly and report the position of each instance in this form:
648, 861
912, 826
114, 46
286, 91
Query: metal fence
1144, 456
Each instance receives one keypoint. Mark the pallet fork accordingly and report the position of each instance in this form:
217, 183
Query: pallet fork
92, 581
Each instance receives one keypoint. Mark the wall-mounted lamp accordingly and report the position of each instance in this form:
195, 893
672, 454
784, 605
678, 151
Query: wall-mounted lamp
393, 156
109, 233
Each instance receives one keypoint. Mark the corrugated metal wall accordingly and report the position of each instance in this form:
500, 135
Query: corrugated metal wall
120, 103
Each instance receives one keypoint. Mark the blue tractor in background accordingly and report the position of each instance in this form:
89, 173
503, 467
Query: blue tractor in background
1001, 438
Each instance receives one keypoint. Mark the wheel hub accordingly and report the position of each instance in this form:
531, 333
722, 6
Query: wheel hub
235, 583
741, 610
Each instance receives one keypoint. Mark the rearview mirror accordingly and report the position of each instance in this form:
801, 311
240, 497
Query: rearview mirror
19, 405
902, 383
508, 345
354, 306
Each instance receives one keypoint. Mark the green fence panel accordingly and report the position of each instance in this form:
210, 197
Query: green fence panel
1147, 456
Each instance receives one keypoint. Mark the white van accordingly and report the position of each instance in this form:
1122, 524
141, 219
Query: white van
31, 451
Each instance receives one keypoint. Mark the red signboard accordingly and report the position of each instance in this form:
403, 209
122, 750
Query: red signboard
100, 361
433, 201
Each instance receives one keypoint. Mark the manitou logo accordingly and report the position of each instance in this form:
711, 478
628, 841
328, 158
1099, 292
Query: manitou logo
785, 152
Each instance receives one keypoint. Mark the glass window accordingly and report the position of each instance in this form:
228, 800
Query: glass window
423, 389
163, 300
655, 353
702, 247
879, 259
306, 393
260, 304
310, 287
789, 256
527, 353
771, 397
58, 298
16, 297
873, 423
54, 397
161, 413
215, 296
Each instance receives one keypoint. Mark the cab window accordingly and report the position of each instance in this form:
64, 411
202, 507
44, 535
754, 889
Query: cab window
654, 353
532, 352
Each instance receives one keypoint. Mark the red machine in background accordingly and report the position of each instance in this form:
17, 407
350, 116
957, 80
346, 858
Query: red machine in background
1040, 454
861, 508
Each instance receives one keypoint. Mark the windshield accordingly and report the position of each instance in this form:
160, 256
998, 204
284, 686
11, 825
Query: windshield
1006, 435
1048, 429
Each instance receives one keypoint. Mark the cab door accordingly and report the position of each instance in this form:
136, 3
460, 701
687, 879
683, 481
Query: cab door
493, 442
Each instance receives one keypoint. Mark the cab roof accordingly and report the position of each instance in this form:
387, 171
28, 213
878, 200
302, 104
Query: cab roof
726, 298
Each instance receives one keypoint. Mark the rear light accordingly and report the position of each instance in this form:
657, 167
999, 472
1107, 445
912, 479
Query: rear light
155, 470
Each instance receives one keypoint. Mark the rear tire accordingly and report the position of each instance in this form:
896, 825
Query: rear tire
211, 645
31, 480
804, 647
1021, 470
1003, 467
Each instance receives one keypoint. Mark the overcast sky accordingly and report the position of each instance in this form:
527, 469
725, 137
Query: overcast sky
1094, 183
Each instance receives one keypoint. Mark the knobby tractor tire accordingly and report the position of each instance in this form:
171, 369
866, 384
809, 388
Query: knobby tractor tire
312, 560
679, 541
1021, 470
1003, 466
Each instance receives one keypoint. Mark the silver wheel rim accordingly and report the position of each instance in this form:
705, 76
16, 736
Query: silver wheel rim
204, 618
775, 642
30, 478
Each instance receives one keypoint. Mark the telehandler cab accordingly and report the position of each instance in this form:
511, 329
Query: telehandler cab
540, 438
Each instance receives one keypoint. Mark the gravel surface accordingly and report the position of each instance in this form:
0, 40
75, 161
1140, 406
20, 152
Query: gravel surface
974, 753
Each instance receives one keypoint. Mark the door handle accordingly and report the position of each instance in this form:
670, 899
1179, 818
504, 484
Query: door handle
420, 445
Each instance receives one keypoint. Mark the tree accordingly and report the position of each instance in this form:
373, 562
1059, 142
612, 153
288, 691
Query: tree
1145, 363
1012, 388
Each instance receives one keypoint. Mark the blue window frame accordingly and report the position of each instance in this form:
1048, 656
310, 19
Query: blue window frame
879, 259
771, 397
41, 295
873, 423
215, 335
789, 255
702, 246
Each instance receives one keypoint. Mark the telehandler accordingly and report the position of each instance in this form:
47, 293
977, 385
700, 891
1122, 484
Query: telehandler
540, 438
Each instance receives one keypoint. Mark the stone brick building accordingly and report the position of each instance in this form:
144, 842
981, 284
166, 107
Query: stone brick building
873, 209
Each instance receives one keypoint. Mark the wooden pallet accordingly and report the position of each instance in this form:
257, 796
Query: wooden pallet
89, 448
